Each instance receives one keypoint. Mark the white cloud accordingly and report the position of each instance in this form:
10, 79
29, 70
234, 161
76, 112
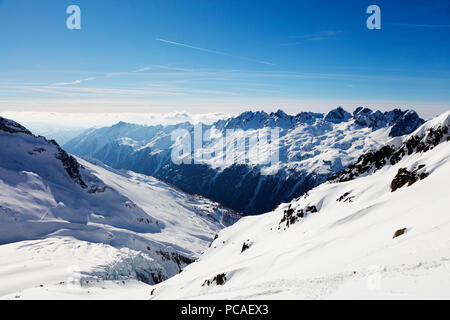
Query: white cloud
72, 82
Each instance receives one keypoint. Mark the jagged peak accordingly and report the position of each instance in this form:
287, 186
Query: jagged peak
402, 121
338, 115
362, 110
406, 123
308, 117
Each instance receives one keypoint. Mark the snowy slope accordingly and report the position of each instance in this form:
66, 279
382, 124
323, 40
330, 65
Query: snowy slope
337, 241
311, 147
57, 211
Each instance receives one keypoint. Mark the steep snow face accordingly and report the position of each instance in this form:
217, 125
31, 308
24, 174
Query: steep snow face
50, 197
311, 147
375, 235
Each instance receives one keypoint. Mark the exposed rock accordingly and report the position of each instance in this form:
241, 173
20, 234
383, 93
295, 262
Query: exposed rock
402, 122
218, 279
130, 204
404, 177
399, 233
143, 220
179, 259
97, 189
375, 160
13, 127
345, 198
150, 277
215, 237
71, 165
290, 218
245, 246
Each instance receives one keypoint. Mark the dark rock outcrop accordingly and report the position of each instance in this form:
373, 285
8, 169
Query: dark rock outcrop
291, 216
404, 177
218, 279
12, 127
399, 232
70, 164
375, 160
245, 246
345, 198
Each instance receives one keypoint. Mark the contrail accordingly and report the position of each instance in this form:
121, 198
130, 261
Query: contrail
212, 51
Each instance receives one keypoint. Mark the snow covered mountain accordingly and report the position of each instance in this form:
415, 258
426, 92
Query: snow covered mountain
311, 147
378, 229
57, 211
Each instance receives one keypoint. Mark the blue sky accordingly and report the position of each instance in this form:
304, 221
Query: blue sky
223, 56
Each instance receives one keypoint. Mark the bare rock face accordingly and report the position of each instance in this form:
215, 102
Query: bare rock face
291, 216
218, 279
404, 177
70, 164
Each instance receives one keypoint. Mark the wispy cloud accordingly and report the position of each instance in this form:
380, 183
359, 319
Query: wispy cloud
72, 82
77, 91
213, 51
317, 36
158, 67
142, 69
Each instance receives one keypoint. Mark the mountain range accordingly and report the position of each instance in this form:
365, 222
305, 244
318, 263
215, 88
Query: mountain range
376, 226
310, 147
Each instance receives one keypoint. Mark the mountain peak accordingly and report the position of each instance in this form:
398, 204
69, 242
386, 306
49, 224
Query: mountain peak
406, 123
338, 115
